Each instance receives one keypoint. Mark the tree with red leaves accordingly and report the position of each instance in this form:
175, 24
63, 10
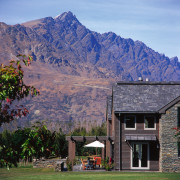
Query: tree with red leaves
177, 134
13, 88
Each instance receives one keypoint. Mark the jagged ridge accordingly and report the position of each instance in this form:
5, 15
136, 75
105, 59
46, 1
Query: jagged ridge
65, 48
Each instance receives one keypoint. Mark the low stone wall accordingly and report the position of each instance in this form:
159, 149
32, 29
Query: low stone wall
57, 164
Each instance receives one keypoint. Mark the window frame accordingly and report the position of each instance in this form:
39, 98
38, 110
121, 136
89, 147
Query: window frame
140, 162
154, 122
178, 148
178, 116
126, 128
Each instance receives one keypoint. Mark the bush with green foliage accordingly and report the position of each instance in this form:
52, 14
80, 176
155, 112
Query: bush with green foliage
70, 164
40, 142
60, 144
108, 166
10, 146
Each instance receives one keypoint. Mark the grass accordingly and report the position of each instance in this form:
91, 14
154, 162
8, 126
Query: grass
24, 173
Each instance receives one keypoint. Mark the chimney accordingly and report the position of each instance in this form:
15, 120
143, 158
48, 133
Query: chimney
140, 79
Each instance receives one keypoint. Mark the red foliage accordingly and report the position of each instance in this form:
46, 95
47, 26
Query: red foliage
13, 88
177, 134
8, 100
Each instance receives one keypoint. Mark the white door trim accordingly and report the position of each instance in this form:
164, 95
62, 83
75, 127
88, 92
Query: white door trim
140, 143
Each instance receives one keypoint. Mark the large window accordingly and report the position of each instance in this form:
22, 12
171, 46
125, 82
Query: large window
140, 156
130, 122
150, 122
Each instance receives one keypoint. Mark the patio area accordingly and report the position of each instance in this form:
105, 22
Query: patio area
78, 168
90, 162
93, 163
103, 140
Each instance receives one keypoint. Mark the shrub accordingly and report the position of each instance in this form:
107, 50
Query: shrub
70, 164
108, 166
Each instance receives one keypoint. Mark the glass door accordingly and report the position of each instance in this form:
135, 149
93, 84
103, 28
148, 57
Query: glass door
140, 156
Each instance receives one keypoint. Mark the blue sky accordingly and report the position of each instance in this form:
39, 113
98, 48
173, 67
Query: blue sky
154, 22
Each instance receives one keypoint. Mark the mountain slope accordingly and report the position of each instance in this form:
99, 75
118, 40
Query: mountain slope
75, 67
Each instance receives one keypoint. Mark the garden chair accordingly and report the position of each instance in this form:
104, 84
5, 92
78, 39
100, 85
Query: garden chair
98, 160
89, 164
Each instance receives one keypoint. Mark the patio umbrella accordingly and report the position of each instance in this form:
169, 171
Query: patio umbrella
95, 144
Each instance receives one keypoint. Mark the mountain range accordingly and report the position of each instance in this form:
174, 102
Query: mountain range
74, 68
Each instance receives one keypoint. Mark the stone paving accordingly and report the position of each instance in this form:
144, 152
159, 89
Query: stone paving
78, 167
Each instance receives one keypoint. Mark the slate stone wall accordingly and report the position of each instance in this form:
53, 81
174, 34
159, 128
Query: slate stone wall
58, 165
169, 160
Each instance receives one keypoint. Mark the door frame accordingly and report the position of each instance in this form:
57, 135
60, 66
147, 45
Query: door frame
131, 152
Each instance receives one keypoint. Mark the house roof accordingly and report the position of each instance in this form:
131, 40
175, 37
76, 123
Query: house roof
141, 96
109, 107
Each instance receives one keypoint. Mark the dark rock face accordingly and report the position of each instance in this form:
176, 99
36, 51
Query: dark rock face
64, 47
65, 39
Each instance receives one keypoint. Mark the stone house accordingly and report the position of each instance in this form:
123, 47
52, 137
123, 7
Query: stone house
140, 120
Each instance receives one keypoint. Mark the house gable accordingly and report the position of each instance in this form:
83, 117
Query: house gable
169, 105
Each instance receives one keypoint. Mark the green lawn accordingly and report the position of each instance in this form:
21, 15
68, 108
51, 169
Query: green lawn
47, 174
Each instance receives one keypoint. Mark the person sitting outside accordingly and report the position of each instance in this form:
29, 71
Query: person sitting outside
89, 164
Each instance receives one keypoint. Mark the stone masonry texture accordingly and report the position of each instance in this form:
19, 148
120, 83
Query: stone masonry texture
169, 160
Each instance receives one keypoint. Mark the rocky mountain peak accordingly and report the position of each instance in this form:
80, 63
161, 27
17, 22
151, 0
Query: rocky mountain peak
66, 17
3, 26
74, 67
174, 60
